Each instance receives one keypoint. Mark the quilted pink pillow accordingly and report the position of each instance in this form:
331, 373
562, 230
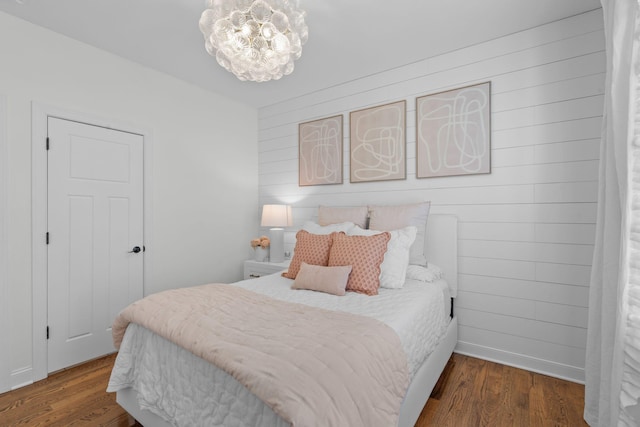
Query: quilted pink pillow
310, 248
364, 254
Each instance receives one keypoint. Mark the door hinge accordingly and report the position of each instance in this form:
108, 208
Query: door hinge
47, 237
47, 332
47, 143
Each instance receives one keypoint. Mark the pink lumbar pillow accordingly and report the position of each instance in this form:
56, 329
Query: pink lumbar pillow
332, 280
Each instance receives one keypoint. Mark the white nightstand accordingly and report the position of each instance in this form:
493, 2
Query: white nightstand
253, 269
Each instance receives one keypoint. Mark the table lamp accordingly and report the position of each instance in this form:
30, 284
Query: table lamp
277, 217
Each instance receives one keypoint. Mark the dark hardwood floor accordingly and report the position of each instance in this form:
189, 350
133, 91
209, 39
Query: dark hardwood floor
475, 392
72, 397
471, 392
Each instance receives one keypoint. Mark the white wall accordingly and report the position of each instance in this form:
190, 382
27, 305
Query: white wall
4, 319
526, 230
204, 160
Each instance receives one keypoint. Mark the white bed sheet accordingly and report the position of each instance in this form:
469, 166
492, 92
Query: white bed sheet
184, 389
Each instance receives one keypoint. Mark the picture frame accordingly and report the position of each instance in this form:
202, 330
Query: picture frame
320, 148
453, 132
378, 143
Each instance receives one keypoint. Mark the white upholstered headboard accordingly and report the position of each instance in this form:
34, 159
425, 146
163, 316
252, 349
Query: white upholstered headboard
441, 246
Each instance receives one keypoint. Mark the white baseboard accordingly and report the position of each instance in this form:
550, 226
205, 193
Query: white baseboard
566, 372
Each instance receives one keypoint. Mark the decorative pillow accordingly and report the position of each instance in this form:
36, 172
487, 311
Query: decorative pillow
389, 218
314, 228
310, 248
332, 280
393, 270
364, 254
334, 215
424, 274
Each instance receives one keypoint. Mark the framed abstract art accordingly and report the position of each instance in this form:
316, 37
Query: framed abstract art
453, 132
378, 143
320, 151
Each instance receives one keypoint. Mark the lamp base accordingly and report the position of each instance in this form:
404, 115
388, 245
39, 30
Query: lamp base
261, 254
276, 251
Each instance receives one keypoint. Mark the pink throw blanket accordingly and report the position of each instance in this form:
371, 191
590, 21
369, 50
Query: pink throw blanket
311, 366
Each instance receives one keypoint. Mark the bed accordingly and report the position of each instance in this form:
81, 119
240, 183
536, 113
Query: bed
151, 371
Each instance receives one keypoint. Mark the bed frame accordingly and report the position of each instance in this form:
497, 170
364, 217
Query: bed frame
442, 249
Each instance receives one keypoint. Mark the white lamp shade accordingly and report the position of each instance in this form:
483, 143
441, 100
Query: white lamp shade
276, 216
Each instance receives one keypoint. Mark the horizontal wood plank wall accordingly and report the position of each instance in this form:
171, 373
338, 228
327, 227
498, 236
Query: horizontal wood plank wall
526, 231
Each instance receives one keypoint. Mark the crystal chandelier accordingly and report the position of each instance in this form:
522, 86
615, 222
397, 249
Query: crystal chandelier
256, 40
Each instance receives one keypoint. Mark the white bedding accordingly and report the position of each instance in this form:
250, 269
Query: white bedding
168, 377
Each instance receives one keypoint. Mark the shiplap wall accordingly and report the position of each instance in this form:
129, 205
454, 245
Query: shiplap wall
526, 231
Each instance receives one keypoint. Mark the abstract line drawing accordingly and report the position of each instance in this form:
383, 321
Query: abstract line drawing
378, 143
320, 151
453, 135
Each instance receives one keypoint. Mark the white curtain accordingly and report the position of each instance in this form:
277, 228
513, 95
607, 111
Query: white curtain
612, 393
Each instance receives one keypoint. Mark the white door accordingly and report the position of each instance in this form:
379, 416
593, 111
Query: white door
95, 223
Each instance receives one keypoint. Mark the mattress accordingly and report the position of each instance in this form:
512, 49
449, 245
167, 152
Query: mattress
184, 389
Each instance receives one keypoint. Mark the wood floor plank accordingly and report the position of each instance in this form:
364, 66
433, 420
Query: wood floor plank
515, 408
458, 395
488, 404
538, 413
470, 392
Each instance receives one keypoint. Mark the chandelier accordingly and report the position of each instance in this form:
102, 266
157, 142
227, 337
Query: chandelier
256, 40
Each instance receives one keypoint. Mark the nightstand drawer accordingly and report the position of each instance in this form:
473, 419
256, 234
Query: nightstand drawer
253, 269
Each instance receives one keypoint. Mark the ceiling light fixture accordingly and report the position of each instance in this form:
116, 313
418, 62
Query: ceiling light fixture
256, 40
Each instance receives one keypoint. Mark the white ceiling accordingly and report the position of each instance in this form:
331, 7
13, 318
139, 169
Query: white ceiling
348, 39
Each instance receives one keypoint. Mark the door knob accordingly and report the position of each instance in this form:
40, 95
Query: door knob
135, 250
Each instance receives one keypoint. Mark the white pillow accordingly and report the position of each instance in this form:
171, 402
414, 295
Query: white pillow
389, 218
313, 228
393, 269
431, 273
